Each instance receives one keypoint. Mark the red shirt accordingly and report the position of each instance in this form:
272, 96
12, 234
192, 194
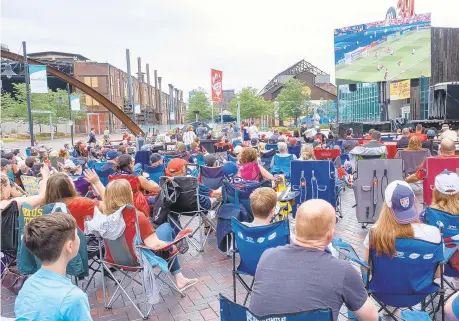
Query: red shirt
221, 144
421, 136
146, 229
80, 208
422, 169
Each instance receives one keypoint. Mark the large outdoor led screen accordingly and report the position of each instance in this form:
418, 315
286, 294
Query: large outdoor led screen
383, 51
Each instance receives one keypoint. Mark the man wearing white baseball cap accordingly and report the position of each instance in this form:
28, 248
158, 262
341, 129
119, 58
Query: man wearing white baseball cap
399, 218
445, 195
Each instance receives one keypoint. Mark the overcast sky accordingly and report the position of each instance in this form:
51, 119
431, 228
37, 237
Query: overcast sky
250, 40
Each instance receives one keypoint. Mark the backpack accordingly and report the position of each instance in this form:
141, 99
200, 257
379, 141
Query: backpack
9, 235
168, 194
28, 263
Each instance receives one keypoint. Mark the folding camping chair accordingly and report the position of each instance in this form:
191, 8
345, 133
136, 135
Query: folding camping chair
123, 261
231, 311
9, 235
412, 159
282, 165
405, 280
327, 154
433, 167
271, 147
295, 150
449, 227
236, 142
315, 179
232, 157
103, 174
187, 205
212, 177
221, 153
198, 159
155, 172
268, 236
266, 159
142, 157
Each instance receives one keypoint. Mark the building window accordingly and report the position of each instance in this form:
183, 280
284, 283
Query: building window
87, 81
112, 89
89, 101
91, 81
118, 88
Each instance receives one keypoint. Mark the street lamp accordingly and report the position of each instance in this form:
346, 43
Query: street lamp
8, 72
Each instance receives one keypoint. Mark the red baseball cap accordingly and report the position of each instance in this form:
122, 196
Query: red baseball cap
176, 165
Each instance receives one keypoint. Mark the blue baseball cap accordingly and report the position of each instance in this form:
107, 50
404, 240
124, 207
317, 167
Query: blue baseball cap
399, 197
112, 154
230, 169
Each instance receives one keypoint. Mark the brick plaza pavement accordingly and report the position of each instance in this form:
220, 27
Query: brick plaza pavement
212, 268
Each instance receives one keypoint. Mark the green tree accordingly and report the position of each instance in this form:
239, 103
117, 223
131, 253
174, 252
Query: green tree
14, 106
251, 105
199, 102
293, 100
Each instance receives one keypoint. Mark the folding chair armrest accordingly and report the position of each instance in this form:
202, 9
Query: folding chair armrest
448, 251
348, 251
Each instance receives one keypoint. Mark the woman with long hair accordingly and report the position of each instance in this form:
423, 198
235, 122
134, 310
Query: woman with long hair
307, 152
60, 188
249, 169
414, 144
124, 170
399, 218
118, 195
445, 195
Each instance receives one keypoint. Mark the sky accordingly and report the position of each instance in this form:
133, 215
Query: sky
249, 40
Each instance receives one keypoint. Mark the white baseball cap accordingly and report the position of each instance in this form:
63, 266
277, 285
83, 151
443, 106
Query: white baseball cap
238, 149
447, 183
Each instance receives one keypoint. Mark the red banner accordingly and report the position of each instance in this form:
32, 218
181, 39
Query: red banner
216, 84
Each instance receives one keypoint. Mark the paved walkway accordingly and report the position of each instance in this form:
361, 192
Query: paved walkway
212, 268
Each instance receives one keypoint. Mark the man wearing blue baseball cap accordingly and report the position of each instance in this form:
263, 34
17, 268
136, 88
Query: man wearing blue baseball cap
112, 159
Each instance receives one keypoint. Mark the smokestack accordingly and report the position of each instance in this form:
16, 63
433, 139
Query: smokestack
157, 100
160, 95
140, 78
149, 100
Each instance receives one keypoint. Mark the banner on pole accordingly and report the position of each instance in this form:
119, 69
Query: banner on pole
75, 102
38, 79
137, 109
216, 77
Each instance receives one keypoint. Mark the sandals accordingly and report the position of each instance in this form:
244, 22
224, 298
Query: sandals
189, 284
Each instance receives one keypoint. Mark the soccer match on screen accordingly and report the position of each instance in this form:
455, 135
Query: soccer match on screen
383, 51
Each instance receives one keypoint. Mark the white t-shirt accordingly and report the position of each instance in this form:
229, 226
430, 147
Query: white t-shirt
188, 137
422, 232
451, 134
253, 132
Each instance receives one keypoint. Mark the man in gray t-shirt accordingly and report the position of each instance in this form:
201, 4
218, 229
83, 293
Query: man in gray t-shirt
302, 277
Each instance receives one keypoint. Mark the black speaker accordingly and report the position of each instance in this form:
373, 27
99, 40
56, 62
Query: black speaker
352, 87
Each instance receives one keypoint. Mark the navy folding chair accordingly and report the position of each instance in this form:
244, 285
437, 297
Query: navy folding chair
232, 157
450, 232
231, 311
221, 153
313, 179
239, 193
295, 150
104, 174
142, 157
250, 243
282, 165
266, 158
212, 177
155, 172
271, 146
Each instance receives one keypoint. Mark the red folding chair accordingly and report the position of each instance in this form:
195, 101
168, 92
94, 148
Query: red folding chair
433, 167
325, 154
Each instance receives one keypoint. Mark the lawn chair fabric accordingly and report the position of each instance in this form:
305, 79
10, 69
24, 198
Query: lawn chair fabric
212, 177
10, 225
372, 178
230, 311
266, 159
28, 263
251, 242
271, 147
412, 159
434, 166
282, 165
224, 215
314, 180
142, 157
295, 150
155, 172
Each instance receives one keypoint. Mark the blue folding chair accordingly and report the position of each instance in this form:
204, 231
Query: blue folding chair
232, 157
450, 229
271, 146
295, 150
230, 311
155, 172
198, 159
266, 158
250, 251
212, 177
406, 279
313, 179
239, 193
282, 165
167, 158
236, 142
143, 157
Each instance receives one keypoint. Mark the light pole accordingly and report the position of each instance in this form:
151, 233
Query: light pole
60, 101
29, 104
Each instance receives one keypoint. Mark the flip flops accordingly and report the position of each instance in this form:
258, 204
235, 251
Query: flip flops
188, 285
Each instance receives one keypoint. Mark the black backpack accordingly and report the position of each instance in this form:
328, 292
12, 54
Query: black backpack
10, 228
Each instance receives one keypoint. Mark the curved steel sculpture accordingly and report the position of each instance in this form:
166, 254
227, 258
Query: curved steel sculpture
84, 88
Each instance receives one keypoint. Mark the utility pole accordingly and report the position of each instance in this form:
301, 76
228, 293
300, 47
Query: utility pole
29, 103
131, 98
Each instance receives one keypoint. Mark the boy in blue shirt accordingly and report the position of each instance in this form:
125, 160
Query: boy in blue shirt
49, 294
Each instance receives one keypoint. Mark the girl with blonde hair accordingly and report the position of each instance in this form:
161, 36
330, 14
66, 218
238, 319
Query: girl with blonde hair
118, 200
445, 195
414, 144
307, 152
